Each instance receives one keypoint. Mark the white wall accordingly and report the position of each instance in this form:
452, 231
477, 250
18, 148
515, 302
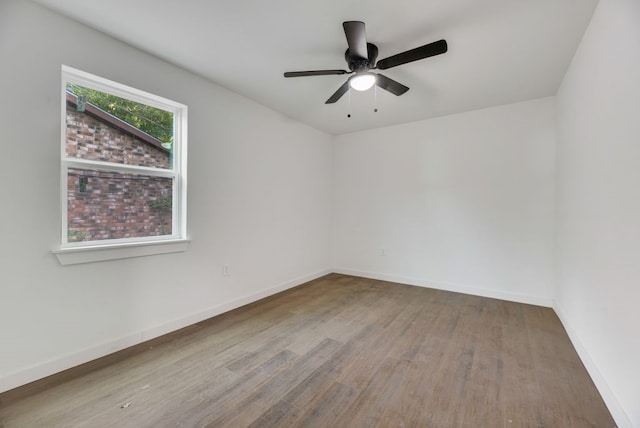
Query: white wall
598, 215
259, 198
462, 202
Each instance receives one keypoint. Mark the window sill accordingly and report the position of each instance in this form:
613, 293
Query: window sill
99, 253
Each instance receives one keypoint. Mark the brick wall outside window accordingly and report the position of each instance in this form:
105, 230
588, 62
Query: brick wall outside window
108, 205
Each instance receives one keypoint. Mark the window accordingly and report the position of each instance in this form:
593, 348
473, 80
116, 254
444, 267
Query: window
123, 169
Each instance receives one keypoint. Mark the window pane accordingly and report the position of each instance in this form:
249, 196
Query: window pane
110, 205
103, 127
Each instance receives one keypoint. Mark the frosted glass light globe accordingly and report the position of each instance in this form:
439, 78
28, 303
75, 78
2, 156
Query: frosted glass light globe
362, 81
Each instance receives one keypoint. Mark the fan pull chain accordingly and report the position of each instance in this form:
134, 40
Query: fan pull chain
375, 98
349, 104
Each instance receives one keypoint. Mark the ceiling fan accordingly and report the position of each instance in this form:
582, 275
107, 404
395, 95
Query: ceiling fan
361, 58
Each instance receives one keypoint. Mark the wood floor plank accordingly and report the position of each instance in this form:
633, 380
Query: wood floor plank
256, 402
230, 398
327, 408
339, 351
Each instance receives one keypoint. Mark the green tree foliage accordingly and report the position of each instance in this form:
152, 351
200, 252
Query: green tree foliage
155, 122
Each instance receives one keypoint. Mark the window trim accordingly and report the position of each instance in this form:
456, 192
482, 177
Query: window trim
114, 251
89, 251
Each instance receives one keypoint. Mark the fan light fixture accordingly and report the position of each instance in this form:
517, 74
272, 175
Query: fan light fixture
361, 58
362, 81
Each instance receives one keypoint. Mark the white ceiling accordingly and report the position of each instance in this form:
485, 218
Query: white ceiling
500, 51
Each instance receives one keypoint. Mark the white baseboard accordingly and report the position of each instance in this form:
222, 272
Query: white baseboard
56, 365
612, 403
168, 327
458, 288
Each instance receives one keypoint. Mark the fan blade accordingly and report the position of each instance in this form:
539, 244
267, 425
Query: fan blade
432, 49
314, 73
390, 85
339, 93
356, 38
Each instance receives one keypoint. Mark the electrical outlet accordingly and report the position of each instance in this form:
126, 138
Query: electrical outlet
225, 270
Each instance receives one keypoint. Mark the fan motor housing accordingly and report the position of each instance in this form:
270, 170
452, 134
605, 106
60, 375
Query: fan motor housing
359, 64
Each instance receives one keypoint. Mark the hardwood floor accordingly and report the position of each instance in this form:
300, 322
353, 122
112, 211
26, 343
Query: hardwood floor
339, 351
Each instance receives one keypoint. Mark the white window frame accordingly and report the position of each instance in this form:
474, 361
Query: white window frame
89, 251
